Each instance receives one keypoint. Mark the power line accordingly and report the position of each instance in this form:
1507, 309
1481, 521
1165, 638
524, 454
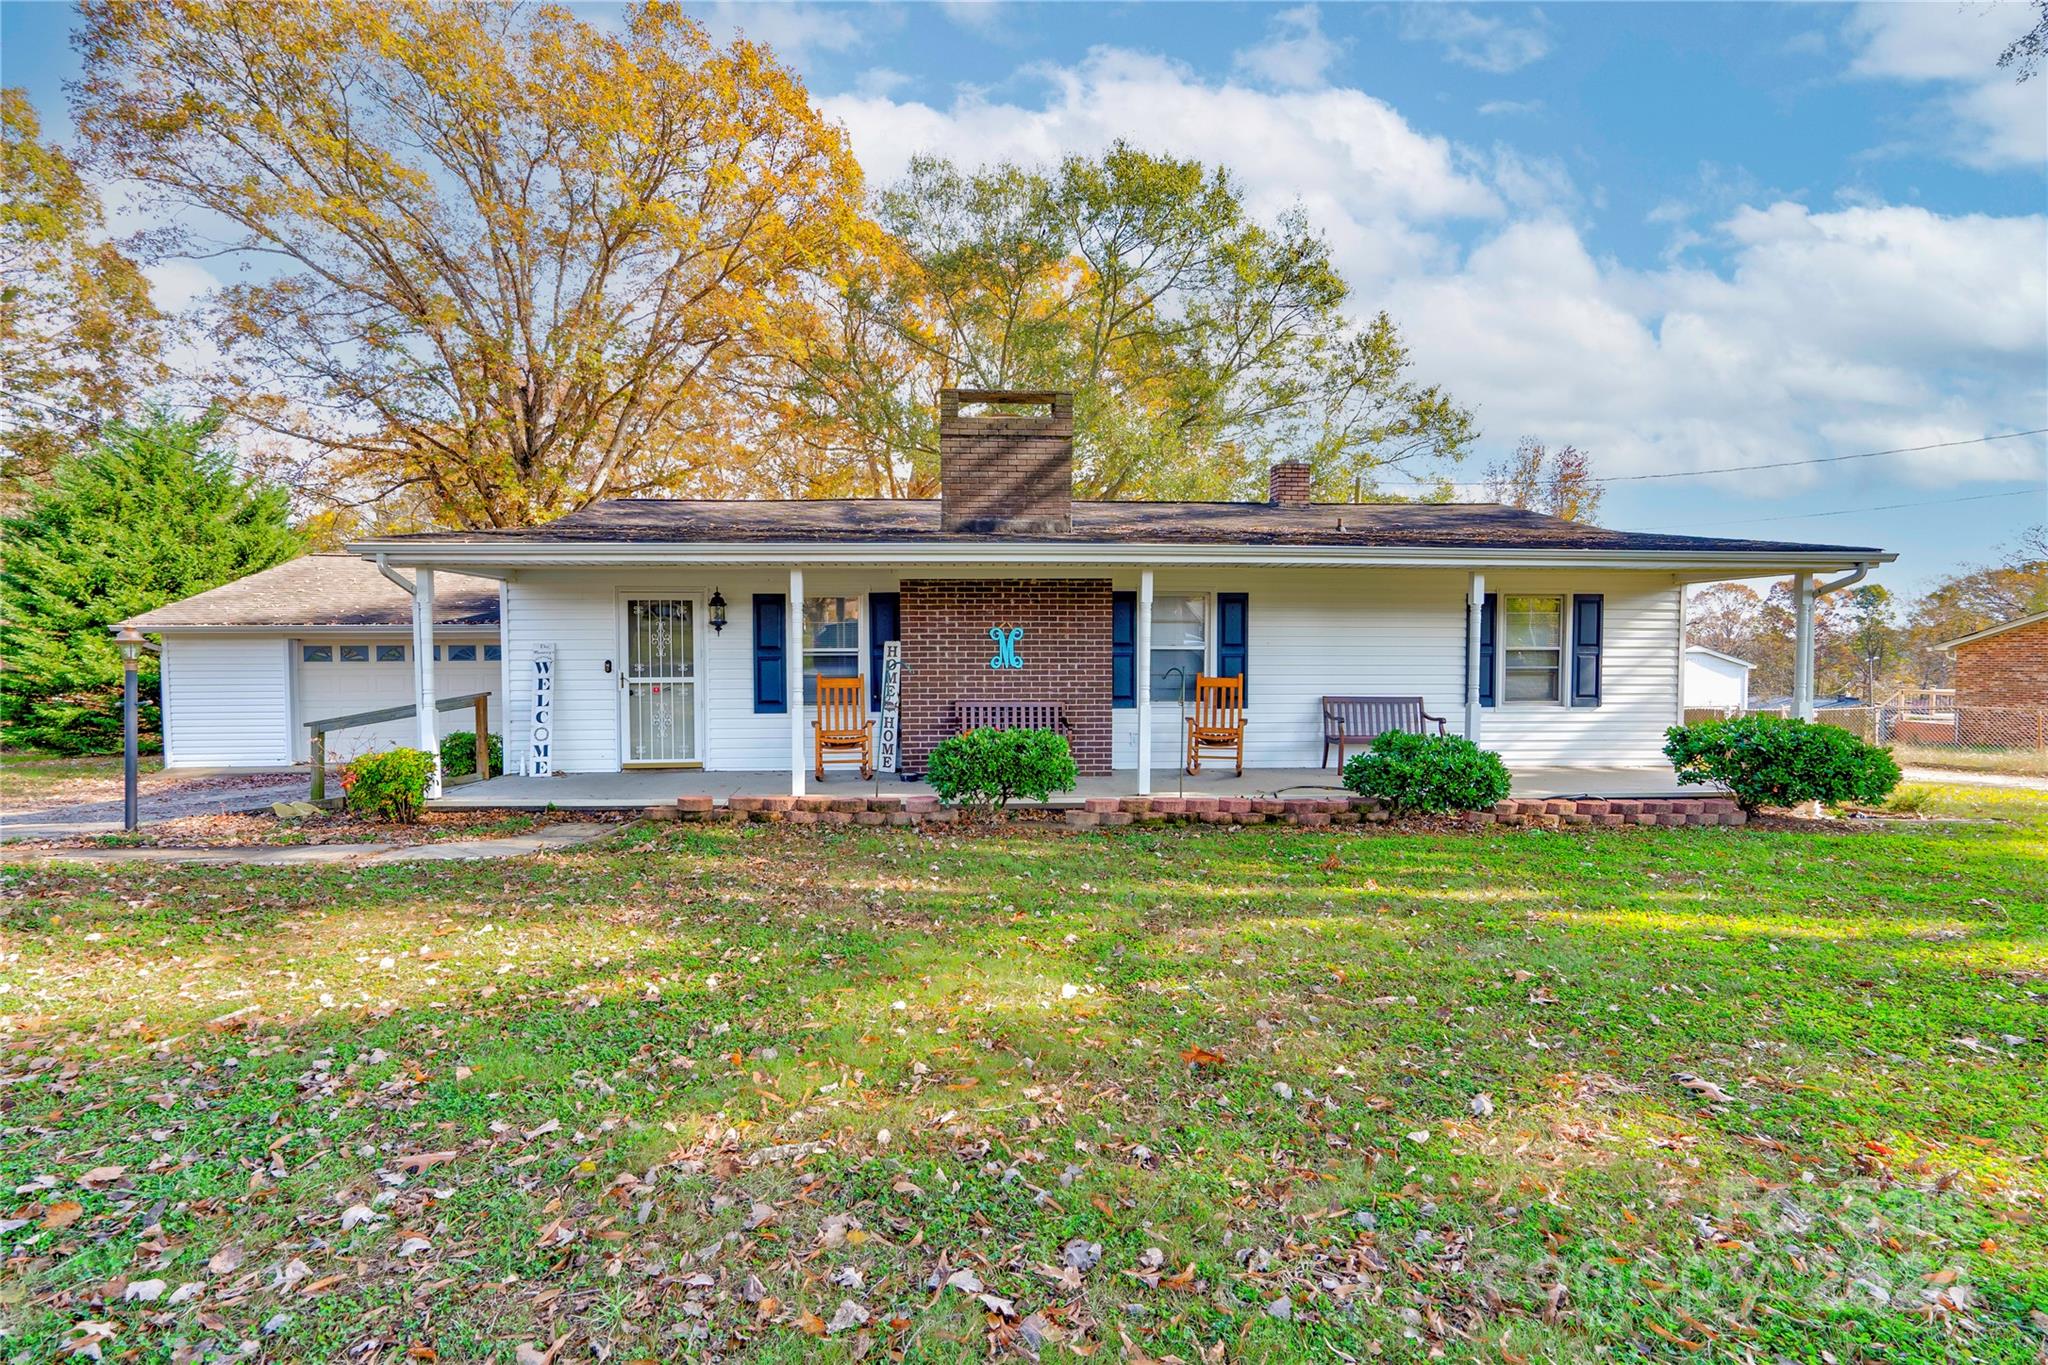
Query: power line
1819, 459
1852, 511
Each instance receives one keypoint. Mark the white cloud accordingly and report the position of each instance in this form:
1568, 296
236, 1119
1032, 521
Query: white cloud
1296, 54
1496, 108
1368, 178
1856, 329
1979, 114
1485, 42
795, 31
1863, 327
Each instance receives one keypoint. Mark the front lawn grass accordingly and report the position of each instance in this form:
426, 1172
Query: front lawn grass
709, 1091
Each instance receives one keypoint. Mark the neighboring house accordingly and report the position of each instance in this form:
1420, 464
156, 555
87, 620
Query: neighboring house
2003, 665
677, 633
247, 664
2001, 684
1716, 681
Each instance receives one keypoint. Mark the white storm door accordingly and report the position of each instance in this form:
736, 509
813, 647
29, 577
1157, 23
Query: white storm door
660, 684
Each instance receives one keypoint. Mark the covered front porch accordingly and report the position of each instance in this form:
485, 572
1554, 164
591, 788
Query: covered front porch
642, 788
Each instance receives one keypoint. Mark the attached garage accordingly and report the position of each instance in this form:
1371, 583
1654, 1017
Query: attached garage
247, 664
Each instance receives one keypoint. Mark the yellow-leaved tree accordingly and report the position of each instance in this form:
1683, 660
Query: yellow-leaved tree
499, 261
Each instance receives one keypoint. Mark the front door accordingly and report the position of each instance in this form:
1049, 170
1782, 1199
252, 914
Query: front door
660, 681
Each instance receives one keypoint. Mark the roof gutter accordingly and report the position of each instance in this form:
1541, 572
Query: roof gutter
1854, 576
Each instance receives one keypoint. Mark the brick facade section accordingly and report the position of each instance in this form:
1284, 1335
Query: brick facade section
1007, 473
2008, 669
1065, 649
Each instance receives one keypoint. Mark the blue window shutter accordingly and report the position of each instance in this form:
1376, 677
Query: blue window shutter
1489, 608
1233, 641
884, 624
1587, 610
1123, 649
771, 677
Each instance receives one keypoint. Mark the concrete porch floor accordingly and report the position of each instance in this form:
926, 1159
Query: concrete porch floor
640, 787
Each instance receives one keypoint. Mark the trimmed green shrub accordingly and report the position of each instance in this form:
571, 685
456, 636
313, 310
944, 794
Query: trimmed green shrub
458, 754
1428, 774
985, 769
1780, 761
391, 785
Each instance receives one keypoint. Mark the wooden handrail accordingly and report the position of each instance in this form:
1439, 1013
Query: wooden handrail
391, 713
317, 747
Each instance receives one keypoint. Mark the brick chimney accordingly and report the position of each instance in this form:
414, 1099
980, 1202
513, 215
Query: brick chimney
1289, 483
1009, 473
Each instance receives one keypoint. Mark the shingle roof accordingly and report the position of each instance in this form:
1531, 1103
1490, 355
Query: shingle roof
854, 520
2001, 628
325, 590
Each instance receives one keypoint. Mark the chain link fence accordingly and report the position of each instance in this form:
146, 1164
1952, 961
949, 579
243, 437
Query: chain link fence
1929, 728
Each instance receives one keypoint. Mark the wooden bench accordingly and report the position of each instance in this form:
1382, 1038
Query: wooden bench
1349, 721
1009, 715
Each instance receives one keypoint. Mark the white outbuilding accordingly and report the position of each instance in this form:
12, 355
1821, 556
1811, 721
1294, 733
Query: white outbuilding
246, 665
1715, 681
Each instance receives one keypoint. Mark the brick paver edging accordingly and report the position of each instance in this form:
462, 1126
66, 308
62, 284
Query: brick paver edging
1095, 811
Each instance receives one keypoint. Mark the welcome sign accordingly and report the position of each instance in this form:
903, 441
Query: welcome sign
540, 745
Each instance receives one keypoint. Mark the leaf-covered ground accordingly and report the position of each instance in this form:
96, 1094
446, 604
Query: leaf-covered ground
1209, 1094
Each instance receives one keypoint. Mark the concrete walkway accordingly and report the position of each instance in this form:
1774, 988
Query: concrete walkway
2025, 782
550, 839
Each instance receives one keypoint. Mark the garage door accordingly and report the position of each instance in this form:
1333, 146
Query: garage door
340, 677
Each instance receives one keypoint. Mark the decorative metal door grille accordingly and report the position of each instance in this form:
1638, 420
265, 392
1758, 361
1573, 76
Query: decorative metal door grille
661, 680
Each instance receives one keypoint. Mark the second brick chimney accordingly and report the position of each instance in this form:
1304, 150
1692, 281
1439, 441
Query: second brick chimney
1289, 483
1007, 473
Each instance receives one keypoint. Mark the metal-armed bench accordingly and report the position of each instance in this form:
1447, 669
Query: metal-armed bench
1009, 715
1357, 721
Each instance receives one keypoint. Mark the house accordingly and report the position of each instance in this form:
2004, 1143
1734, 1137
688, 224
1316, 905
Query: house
1715, 681
247, 664
2001, 684
684, 634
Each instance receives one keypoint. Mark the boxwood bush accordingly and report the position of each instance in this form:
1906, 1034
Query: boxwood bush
1779, 761
458, 754
1428, 774
391, 785
983, 770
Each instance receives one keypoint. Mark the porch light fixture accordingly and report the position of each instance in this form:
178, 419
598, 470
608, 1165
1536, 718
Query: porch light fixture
717, 612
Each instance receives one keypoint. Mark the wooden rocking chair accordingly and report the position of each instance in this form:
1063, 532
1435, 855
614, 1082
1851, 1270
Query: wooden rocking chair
1217, 725
842, 725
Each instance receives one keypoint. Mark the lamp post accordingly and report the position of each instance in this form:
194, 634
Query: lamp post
132, 644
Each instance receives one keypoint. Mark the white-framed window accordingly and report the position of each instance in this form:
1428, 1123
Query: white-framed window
462, 654
1532, 632
316, 654
355, 654
493, 654
831, 641
390, 654
1180, 641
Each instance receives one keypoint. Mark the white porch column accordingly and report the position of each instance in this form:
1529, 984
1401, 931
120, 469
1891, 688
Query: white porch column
1802, 649
793, 678
425, 734
1142, 668
1475, 603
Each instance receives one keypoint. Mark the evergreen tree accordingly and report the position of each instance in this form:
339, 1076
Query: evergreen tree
151, 512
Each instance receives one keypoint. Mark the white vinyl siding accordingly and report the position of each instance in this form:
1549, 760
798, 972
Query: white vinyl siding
1312, 632
226, 701
338, 676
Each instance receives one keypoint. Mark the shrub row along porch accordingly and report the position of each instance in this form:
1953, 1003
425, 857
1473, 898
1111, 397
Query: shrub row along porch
1112, 811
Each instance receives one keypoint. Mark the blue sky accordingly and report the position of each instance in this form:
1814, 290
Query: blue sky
1681, 236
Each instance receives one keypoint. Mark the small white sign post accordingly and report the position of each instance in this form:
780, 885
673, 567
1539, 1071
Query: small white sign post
892, 699
540, 744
